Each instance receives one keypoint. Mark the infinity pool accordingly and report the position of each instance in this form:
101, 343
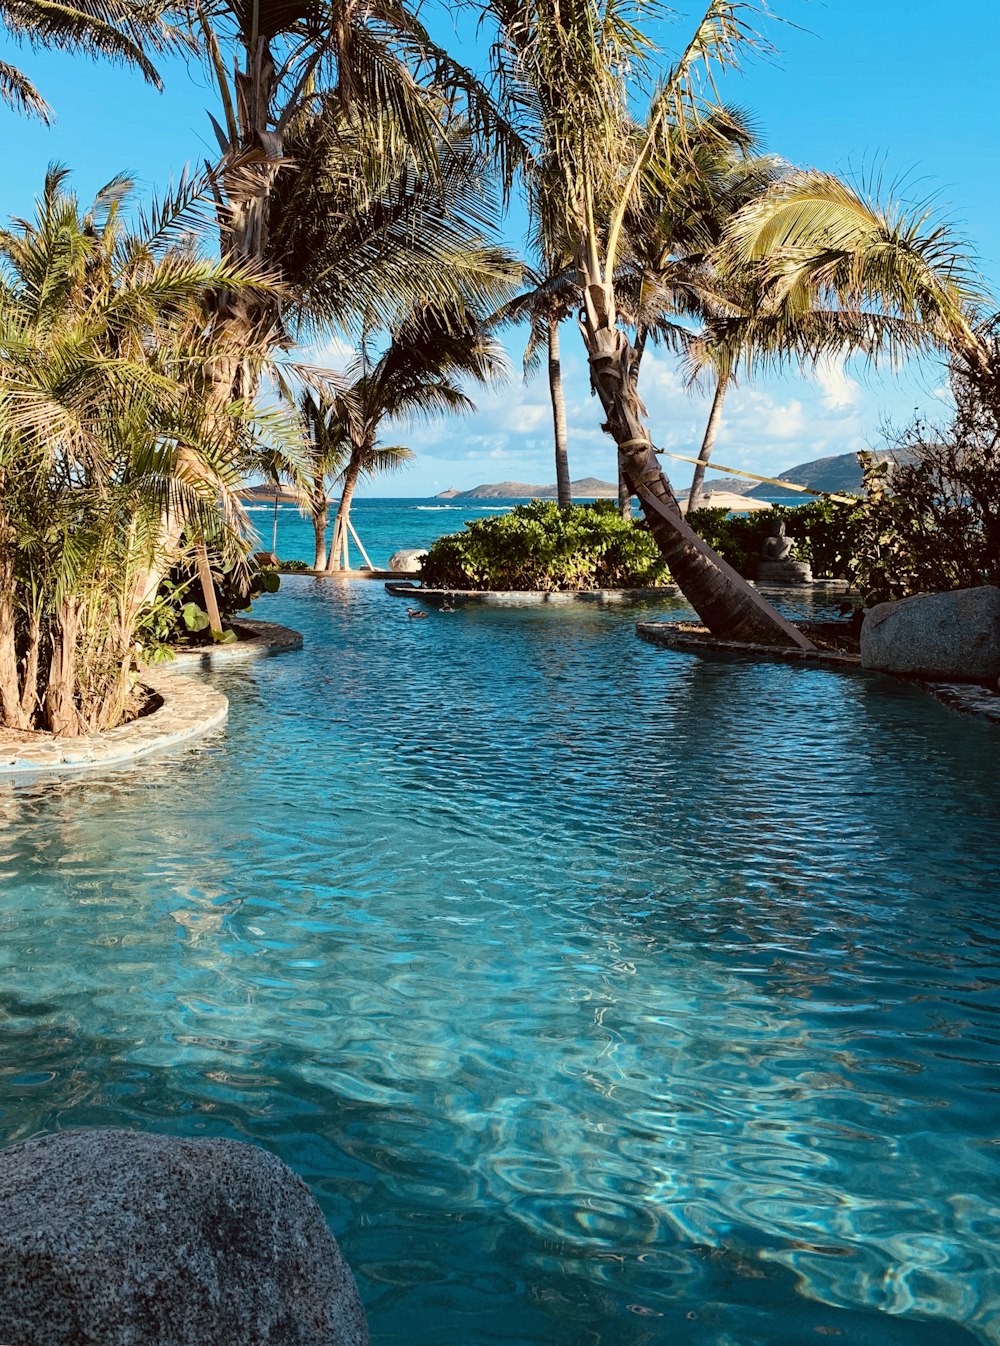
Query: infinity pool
604, 996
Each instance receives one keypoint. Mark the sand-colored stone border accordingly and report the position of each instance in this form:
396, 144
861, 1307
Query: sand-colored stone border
188, 709
675, 637
527, 598
264, 638
969, 698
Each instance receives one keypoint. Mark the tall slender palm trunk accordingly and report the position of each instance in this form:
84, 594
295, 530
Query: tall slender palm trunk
564, 493
338, 548
319, 523
729, 606
708, 441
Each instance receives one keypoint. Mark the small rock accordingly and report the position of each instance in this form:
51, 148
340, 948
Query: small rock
408, 561
951, 635
118, 1238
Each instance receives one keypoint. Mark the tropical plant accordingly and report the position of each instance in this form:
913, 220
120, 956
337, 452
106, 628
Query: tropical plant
545, 546
582, 64
545, 303
110, 449
816, 241
418, 374
118, 30
332, 87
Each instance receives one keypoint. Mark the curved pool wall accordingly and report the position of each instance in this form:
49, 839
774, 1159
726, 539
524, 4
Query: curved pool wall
601, 994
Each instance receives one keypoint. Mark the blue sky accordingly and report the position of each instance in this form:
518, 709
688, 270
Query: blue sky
902, 88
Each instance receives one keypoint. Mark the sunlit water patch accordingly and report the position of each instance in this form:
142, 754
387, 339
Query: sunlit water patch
602, 994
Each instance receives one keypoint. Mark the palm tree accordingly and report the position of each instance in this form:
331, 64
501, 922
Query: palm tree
815, 241
417, 375
108, 445
337, 77
545, 304
582, 63
119, 30
692, 190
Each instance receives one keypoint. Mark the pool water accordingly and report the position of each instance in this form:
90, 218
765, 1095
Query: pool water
604, 996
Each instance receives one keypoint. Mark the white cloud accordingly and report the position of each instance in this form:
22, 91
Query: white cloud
839, 390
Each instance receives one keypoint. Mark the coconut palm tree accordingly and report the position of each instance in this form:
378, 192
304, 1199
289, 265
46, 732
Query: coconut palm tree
583, 63
815, 241
109, 447
333, 76
546, 303
419, 374
118, 30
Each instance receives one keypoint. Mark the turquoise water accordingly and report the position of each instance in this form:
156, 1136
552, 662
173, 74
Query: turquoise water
603, 995
384, 526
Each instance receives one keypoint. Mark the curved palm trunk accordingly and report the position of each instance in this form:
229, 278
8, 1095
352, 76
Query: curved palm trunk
564, 492
708, 442
729, 606
338, 548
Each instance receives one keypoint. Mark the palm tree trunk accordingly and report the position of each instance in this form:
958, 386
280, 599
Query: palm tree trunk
564, 492
12, 715
729, 606
60, 694
319, 511
708, 442
208, 589
638, 350
343, 514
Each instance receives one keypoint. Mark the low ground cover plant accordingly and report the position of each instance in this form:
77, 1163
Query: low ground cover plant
541, 546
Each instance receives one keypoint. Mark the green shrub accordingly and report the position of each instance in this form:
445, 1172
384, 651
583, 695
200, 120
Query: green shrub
176, 616
540, 546
827, 534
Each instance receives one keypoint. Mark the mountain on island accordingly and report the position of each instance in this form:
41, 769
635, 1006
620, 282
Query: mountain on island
840, 473
587, 488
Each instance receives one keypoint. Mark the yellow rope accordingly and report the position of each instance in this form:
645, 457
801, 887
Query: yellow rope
755, 476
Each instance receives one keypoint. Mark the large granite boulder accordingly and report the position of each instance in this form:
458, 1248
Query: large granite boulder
408, 561
116, 1238
954, 635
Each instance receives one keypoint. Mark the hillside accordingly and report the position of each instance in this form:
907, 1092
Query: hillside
584, 489
839, 473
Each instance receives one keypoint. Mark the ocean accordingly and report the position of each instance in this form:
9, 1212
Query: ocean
384, 526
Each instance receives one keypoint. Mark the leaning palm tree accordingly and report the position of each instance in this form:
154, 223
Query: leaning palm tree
581, 63
118, 30
419, 374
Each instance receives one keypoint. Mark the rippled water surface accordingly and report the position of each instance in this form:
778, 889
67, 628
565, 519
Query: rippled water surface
603, 995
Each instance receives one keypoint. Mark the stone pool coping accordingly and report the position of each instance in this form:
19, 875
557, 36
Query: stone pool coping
527, 597
265, 638
674, 636
968, 698
188, 709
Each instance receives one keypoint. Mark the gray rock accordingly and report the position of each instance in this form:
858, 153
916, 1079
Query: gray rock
953, 635
408, 561
117, 1238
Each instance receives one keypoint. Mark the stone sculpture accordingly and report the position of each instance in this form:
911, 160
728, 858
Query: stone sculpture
777, 565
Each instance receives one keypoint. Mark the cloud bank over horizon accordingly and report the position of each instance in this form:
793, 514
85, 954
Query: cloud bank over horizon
768, 425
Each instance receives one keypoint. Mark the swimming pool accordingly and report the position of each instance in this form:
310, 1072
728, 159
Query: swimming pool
602, 994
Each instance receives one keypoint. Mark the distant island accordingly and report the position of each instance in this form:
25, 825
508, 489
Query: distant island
587, 488
840, 473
